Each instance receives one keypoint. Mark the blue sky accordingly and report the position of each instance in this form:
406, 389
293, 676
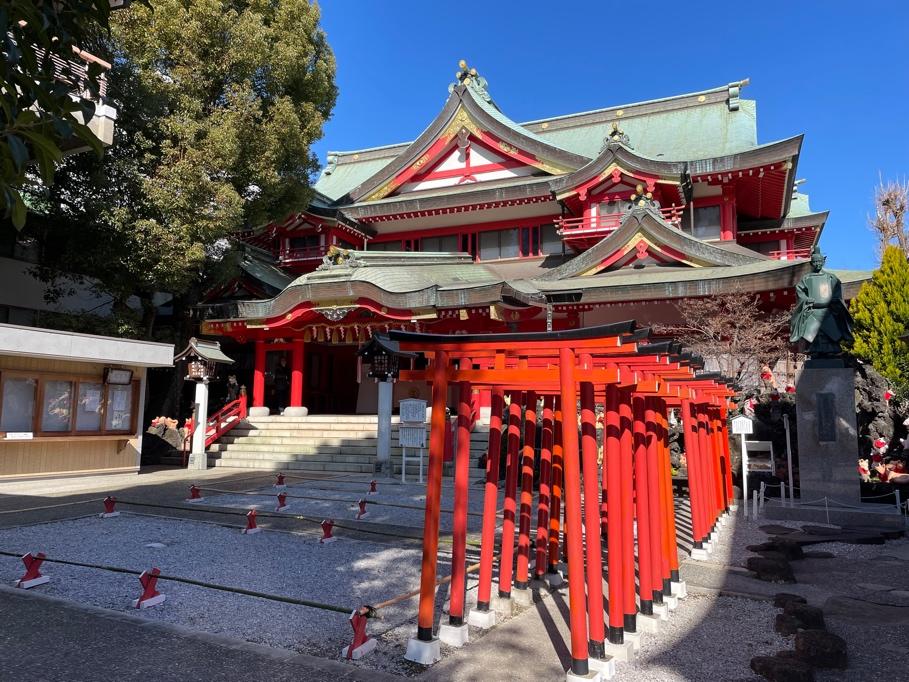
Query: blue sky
836, 71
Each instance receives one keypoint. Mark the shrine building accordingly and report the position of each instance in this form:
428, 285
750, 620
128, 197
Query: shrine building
482, 224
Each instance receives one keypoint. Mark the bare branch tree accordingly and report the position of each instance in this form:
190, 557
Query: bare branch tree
891, 201
733, 334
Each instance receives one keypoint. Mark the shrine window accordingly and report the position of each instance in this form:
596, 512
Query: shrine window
447, 243
384, 246
550, 241
707, 222
310, 241
499, 244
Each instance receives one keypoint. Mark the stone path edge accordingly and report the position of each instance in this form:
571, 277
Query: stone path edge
282, 655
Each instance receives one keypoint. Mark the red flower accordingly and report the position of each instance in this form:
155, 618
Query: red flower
877, 458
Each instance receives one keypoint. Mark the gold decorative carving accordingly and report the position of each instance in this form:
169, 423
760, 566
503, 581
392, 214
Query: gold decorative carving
507, 148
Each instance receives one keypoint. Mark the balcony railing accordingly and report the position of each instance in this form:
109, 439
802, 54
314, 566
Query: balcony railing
301, 254
74, 72
790, 254
599, 226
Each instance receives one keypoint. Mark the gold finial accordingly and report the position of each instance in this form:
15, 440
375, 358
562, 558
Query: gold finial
462, 64
639, 189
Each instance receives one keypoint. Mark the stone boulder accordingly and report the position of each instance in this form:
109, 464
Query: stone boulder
771, 570
782, 669
809, 617
786, 625
780, 599
821, 649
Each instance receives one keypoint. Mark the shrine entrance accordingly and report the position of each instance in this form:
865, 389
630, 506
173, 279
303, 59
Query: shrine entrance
331, 385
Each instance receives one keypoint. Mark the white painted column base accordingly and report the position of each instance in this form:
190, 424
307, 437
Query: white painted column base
301, 412
648, 623
621, 652
358, 653
250, 531
699, 554
522, 597
454, 635
194, 501
661, 610
34, 582
592, 676
259, 412
713, 537
679, 589
153, 601
606, 667
633, 638
424, 653
503, 606
482, 619
105, 515
671, 601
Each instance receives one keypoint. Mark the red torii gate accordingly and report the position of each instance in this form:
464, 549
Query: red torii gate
638, 383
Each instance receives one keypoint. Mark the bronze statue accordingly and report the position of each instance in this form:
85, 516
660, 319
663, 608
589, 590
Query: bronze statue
821, 322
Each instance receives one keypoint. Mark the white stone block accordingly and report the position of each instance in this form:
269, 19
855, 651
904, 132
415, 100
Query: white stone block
661, 610
522, 597
503, 606
621, 652
648, 623
606, 667
671, 601
634, 638
679, 589
482, 619
358, 653
106, 515
34, 582
454, 635
153, 601
700, 554
592, 676
424, 653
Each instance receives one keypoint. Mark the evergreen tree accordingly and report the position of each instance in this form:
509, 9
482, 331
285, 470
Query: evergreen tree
881, 313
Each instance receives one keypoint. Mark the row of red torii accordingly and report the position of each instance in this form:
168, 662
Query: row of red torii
638, 382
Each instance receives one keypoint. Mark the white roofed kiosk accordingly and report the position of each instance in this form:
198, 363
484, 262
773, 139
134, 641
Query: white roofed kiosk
70, 404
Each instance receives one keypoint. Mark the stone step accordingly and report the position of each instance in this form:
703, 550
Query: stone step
269, 439
292, 465
240, 454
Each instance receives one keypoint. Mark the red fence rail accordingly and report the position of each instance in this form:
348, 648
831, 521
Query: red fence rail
306, 253
218, 424
601, 225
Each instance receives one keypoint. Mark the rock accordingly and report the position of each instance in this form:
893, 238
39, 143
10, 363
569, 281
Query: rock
773, 529
819, 554
810, 617
778, 556
874, 587
780, 599
821, 530
786, 625
771, 570
763, 547
782, 669
821, 649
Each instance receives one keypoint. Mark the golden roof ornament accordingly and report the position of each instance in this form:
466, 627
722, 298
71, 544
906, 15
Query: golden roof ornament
642, 198
468, 76
616, 136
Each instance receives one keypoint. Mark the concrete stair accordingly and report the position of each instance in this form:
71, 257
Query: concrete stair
318, 443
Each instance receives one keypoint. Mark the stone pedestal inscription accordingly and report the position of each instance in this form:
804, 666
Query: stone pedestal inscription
828, 443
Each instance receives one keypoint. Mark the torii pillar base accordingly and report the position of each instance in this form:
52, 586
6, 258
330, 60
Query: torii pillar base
424, 653
604, 666
454, 635
482, 619
621, 652
592, 676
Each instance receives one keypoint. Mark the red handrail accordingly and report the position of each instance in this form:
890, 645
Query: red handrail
601, 225
790, 254
302, 253
219, 423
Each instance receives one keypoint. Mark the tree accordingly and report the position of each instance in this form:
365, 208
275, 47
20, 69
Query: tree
45, 96
891, 202
732, 332
881, 313
219, 102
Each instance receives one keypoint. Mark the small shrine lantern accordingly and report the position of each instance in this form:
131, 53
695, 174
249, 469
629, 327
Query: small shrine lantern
384, 358
203, 358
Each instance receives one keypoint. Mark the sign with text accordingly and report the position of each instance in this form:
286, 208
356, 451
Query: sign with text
413, 411
743, 425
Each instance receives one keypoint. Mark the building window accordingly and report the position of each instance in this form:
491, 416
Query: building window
384, 246
550, 241
88, 407
310, 241
57, 406
498, 244
707, 222
18, 406
447, 244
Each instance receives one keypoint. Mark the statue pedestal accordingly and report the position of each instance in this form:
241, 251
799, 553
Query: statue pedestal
828, 452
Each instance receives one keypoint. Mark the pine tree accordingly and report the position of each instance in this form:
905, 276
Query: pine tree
881, 312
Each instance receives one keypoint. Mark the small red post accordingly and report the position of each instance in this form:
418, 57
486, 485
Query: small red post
522, 574
490, 499
362, 509
459, 520
110, 511
615, 560
689, 419
150, 595
251, 526
279, 481
642, 507
592, 518
195, 494
555, 511
32, 576
654, 500
282, 502
362, 644
626, 445
327, 526
506, 556
373, 489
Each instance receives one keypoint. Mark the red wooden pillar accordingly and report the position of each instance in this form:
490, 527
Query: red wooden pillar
258, 395
543, 502
719, 476
490, 499
665, 493
522, 576
555, 511
296, 374
724, 428
706, 453
654, 499
642, 507
626, 446
506, 556
592, 521
573, 524
438, 426
695, 494
613, 471
672, 538
459, 519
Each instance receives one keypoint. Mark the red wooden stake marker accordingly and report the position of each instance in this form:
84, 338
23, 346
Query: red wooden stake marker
32, 576
150, 595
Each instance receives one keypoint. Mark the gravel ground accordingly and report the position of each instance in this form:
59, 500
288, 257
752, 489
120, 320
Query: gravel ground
707, 638
340, 502
345, 573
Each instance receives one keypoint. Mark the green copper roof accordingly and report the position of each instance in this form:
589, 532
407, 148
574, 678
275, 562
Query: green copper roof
336, 180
